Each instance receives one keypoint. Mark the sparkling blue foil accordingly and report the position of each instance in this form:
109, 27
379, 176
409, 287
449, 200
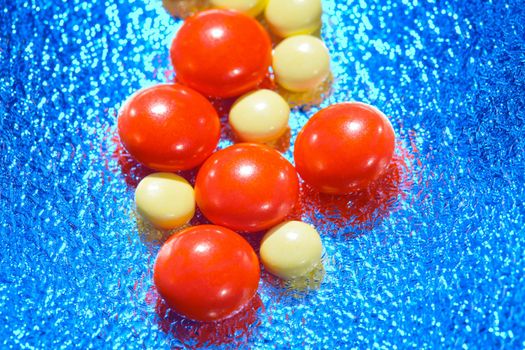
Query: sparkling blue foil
441, 266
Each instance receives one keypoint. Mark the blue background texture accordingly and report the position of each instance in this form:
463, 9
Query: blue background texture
442, 267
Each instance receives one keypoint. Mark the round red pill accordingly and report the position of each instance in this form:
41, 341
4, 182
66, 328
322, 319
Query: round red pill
206, 273
169, 127
221, 53
246, 187
344, 147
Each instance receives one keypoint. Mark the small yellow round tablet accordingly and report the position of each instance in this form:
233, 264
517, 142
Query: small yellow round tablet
166, 200
293, 17
291, 249
184, 8
301, 63
260, 116
249, 7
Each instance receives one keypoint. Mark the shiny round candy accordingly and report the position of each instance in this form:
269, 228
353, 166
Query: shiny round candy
301, 63
169, 127
165, 199
246, 187
206, 273
260, 116
221, 53
344, 147
249, 7
291, 249
293, 17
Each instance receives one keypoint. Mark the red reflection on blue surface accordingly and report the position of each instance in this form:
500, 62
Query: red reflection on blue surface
237, 329
360, 209
133, 171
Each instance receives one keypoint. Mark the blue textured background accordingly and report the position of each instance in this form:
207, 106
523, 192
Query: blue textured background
444, 268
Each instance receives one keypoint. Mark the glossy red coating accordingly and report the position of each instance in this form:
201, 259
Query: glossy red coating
221, 53
246, 187
206, 273
169, 127
344, 147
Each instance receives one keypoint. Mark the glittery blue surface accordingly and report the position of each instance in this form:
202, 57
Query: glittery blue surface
443, 265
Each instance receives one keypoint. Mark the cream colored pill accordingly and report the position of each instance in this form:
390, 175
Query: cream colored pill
301, 63
293, 17
260, 116
291, 249
250, 7
166, 200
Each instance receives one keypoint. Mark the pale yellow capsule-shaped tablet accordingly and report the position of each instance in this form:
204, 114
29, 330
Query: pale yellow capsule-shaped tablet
301, 63
250, 7
291, 249
165, 199
260, 116
293, 17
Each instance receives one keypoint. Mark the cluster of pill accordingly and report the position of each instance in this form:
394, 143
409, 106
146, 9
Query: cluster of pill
208, 272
